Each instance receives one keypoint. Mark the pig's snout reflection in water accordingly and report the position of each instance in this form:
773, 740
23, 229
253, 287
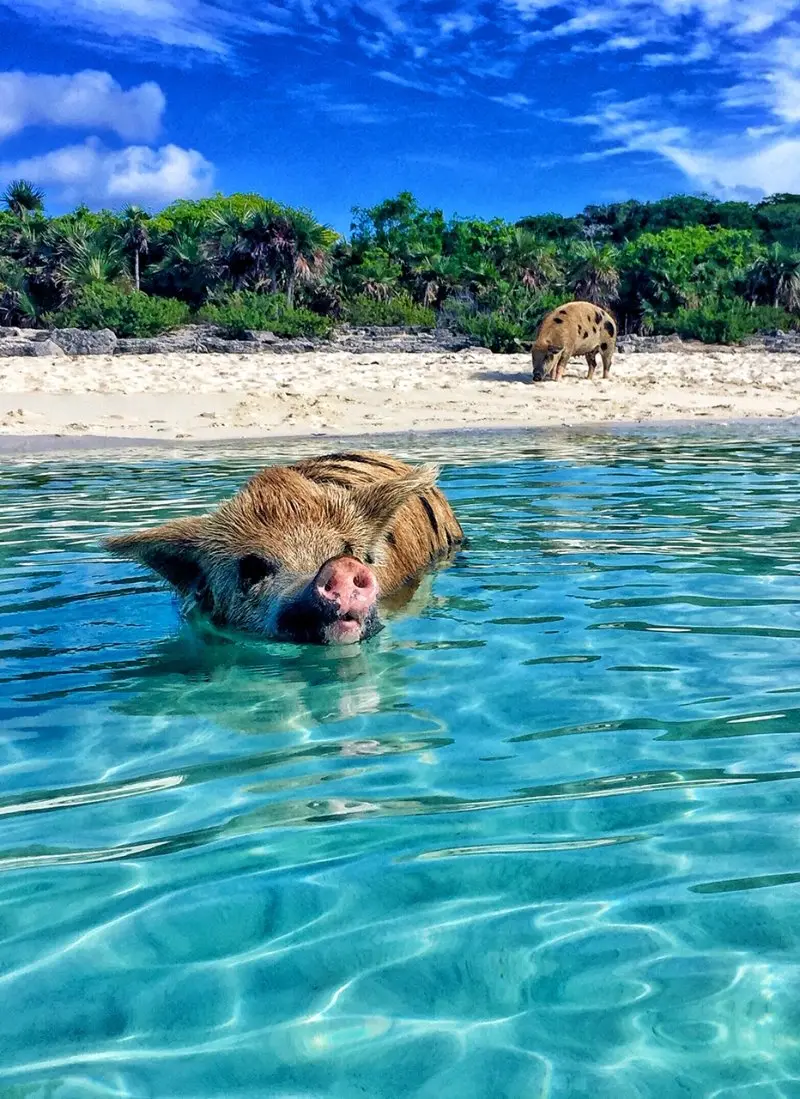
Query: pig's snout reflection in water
307, 552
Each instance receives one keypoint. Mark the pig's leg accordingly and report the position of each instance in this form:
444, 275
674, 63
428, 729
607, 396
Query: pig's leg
607, 355
591, 360
561, 365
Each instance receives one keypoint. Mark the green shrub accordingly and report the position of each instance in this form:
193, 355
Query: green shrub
723, 322
246, 310
399, 310
128, 313
532, 312
494, 330
508, 327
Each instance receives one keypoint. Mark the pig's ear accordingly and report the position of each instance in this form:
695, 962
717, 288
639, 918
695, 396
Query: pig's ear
379, 502
173, 551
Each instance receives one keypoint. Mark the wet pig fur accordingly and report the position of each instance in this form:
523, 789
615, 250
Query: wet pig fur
308, 552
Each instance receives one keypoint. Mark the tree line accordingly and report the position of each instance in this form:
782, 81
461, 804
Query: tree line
712, 270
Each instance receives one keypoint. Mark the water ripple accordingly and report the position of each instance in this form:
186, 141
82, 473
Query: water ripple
539, 837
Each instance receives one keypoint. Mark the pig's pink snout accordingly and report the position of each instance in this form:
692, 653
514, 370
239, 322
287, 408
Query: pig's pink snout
348, 583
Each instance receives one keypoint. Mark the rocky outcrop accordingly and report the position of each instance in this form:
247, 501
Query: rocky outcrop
156, 345
766, 341
77, 341
782, 341
206, 339
12, 346
183, 339
633, 344
261, 337
250, 347
373, 339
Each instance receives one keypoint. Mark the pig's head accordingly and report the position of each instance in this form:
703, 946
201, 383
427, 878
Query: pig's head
287, 558
544, 358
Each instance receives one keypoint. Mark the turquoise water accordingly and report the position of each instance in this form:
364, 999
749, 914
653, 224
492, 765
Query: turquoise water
539, 838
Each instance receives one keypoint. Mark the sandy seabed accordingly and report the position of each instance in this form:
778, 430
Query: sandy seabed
194, 396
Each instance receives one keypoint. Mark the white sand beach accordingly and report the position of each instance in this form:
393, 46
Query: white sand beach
215, 396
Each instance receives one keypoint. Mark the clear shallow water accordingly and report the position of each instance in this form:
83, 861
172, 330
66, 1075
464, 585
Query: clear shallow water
539, 838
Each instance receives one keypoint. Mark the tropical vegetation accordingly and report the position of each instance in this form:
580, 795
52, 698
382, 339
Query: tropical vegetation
711, 270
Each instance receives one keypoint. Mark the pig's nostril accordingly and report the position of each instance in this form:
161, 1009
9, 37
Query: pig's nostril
342, 580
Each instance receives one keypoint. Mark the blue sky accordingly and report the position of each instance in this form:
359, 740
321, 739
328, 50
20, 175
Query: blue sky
477, 106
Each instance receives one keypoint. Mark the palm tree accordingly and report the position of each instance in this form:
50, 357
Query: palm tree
377, 276
480, 277
775, 279
27, 241
250, 247
594, 272
92, 261
435, 276
23, 198
266, 250
309, 253
135, 237
188, 267
17, 305
531, 261
64, 238
51, 250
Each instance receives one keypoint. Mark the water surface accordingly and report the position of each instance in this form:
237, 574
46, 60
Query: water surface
538, 838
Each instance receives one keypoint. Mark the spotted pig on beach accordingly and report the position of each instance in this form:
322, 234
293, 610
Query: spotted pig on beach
307, 552
577, 328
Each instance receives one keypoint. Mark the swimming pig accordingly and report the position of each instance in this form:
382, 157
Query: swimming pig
577, 328
304, 553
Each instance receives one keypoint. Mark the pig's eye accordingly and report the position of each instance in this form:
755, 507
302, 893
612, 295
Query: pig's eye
253, 569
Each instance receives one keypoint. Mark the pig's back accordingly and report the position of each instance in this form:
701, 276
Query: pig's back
425, 528
577, 326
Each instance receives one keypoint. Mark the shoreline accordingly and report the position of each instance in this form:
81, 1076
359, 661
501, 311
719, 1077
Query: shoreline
444, 439
140, 400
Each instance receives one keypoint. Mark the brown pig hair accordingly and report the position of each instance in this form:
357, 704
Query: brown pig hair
369, 505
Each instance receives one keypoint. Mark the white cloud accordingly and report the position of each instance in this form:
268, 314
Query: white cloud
92, 173
459, 22
85, 100
217, 27
734, 173
180, 23
624, 42
379, 45
743, 166
659, 60
387, 12
322, 98
207, 27
700, 50
591, 20
786, 95
453, 84
401, 81
744, 57
512, 99
762, 131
